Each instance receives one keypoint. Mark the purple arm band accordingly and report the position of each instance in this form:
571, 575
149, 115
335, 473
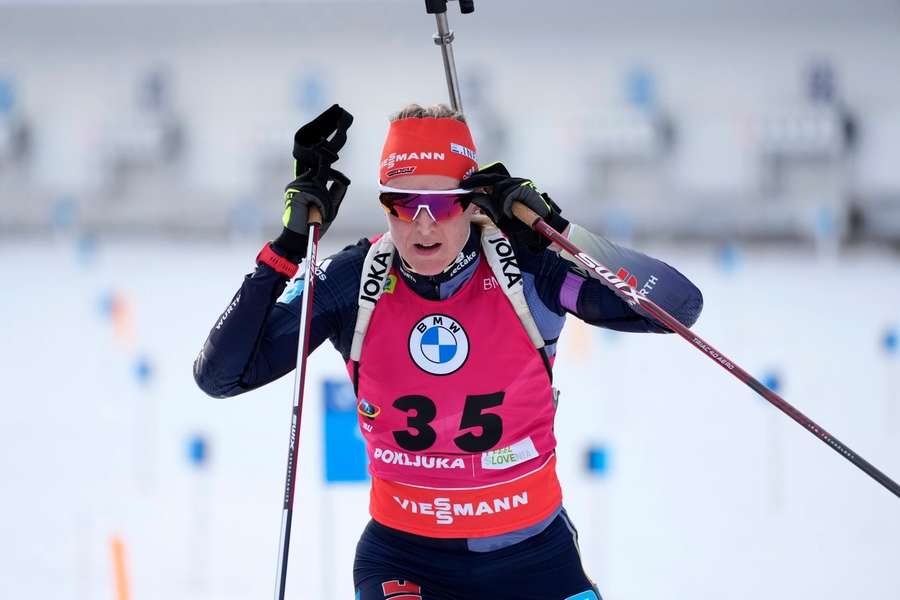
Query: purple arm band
568, 293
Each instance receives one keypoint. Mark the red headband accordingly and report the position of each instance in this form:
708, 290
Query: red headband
427, 146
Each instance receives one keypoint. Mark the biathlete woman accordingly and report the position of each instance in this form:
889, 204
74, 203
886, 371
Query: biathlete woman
448, 324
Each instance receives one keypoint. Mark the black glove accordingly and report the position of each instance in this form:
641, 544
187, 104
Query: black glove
316, 183
498, 201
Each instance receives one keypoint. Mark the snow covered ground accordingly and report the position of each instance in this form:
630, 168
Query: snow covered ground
710, 493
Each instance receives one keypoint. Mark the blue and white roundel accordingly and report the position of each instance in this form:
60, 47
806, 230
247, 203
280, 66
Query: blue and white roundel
438, 345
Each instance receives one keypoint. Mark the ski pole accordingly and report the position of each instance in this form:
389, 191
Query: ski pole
315, 220
634, 299
444, 39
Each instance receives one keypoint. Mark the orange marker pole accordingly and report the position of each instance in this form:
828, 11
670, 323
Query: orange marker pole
119, 571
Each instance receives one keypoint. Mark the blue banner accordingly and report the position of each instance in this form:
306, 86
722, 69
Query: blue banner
345, 450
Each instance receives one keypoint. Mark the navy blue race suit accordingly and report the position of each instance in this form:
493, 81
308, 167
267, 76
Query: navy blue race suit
254, 342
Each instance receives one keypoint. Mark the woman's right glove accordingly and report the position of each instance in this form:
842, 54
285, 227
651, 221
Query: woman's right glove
316, 183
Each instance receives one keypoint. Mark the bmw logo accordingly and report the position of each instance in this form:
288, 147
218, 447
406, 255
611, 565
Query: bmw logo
438, 345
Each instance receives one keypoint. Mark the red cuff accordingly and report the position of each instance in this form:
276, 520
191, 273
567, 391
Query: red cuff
269, 257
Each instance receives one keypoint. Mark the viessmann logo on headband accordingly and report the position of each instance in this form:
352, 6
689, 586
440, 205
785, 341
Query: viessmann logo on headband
394, 157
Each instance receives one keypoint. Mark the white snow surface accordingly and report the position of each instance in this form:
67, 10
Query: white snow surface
712, 493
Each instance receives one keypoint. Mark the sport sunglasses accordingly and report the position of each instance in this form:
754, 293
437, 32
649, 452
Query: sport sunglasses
439, 204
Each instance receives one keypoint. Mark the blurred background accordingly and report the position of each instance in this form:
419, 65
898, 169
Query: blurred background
144, 147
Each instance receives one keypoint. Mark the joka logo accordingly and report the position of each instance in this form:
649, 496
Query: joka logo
438, 345
375, 277
507, 259
627, 278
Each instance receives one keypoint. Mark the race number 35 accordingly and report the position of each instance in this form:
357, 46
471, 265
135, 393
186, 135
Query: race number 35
421, 411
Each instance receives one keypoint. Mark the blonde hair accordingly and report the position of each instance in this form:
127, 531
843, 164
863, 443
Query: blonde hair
435, 111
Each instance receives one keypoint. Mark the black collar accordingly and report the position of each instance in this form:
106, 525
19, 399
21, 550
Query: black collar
442, 285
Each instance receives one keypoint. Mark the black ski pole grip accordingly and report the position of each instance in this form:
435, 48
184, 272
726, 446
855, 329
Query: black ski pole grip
436, 7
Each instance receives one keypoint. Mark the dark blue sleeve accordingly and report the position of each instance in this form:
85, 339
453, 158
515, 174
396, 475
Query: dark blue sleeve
669, 289
254, 341
564, 287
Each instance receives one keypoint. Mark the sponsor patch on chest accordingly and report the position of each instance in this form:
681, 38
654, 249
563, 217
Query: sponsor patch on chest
510, 456
418, 461
438, 344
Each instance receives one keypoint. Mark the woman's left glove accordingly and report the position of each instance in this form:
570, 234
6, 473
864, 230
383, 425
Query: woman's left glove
501, 191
